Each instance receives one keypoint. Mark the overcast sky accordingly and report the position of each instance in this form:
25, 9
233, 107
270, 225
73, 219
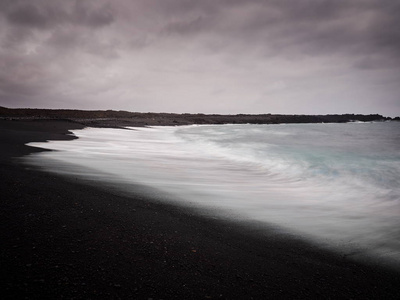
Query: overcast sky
208, 56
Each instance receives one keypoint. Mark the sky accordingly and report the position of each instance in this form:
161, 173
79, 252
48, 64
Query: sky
202, 56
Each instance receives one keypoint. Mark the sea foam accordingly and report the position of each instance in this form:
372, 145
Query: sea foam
337, 184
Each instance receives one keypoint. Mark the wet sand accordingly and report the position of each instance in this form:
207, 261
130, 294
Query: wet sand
62, 238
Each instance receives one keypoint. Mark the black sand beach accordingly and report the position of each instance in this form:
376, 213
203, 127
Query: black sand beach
61, 239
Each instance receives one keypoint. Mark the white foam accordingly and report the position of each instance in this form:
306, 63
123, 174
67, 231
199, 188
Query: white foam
254, 172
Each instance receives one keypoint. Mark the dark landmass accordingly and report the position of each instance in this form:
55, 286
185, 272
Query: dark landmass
111, 118
62, 238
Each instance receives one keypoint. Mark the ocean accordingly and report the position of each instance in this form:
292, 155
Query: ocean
337, 185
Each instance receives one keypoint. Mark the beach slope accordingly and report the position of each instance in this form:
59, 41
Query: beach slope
62, 238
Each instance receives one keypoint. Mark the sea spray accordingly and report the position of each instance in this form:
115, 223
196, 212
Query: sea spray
335, 183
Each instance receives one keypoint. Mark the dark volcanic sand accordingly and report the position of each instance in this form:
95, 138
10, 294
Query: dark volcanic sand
63, 239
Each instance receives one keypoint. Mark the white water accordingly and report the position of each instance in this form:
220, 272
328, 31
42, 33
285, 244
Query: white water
337, 184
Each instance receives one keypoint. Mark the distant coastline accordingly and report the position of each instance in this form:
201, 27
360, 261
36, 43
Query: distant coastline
112, 118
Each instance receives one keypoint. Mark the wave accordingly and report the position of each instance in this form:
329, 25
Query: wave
335, 183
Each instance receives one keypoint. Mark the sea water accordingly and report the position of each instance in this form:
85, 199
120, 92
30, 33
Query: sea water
336, 184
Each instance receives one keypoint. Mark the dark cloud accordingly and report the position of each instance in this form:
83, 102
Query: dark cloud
174, 54
298, 27
28, 15
186, 27
46, 14
91, 16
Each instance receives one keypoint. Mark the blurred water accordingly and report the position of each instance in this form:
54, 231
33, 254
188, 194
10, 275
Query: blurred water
335, 183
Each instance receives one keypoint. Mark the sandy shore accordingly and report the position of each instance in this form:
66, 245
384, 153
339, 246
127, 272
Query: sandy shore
61, 238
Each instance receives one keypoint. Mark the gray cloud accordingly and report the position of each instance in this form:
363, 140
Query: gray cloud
28, 15
47, 14
295, 28
173, 55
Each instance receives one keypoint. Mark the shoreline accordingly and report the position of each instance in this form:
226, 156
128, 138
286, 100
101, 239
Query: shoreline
65, 238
